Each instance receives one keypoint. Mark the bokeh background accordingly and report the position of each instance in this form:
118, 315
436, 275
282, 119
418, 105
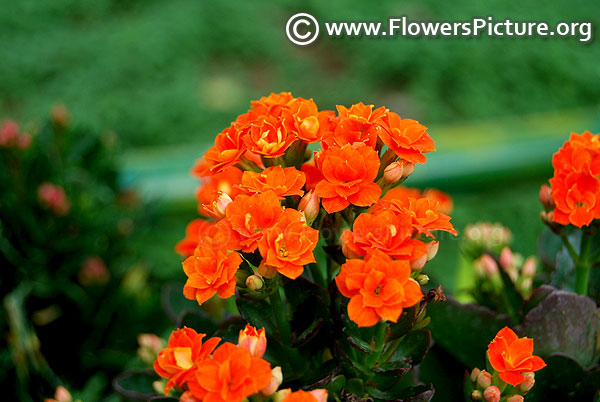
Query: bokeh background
167, 76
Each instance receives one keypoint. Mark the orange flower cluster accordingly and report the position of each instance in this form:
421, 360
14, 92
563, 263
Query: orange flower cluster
576, 184
227, 373
512, 356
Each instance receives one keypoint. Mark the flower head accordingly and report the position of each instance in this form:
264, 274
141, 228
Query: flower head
378, 288
512, 356
282, 181
406, 137
227, 151
270, 136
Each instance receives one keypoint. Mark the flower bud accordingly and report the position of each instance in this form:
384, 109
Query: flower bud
409, 168
319, 394
492, 394
475, 374
254, 282
53, 197
490, 266
267, 271
150, 347
515, 398
507, 258
528, 269
546, 197
187, 396
419, 263
252, 340
476, 395
93, 272
432, 249
310, 205
422, 279
158, 386
349, 253
276, 380
394, 172
527, 383
280, 395
60, 115
217, 208
62, 394
484, 379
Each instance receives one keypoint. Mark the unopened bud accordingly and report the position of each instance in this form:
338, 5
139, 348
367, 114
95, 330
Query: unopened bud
409, 168
507, 259
515, 398
280, 395
422, 279
432, 249
528, 383
394, 172
267, 271
62, 394
546, 197
150, 347
187, 396
320, 394
347, 251
419, 263
490, 267
310, 205
492, 394
484, 379
276, 380
475, 374
476, 395
254, 282
528, 269
158, 387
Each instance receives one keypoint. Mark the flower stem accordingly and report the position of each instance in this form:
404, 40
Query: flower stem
280, 315
583, 266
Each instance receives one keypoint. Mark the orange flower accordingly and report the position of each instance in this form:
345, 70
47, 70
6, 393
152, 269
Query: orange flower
231, 375
227, 151
210, 270
249, 216
308, 119
445, 204
312, 173
215, 235
289, 244
386, 231
406, 137
355, 125
511, 356
178, 361
226, 182
316, 395
378, 288
253, 340
270, 136
348, 177
283, 182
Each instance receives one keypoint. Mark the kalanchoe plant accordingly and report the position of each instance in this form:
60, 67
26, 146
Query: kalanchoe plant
321, 249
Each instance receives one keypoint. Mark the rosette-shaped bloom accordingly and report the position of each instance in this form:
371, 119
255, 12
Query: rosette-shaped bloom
316, 395
227, 151
512, 356
575, 185
270, 136
249, 216
385, 231
179, 360
225, 182
378, 288
348, 177
308, 119
210, 270
253, 340
282, 181
407, 138
231, 375
312, 173
359, 124
289, 244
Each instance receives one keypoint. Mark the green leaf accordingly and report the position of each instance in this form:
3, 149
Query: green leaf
419, 393
257, 314
557, 380
173, 301
229, 329
403, 325
589, 387
567, 323
464, 330
136, 384
198, 320
412, 347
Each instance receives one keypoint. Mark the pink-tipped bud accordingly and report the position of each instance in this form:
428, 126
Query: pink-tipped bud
475, 374
319, 394
62, 394
490, 267
394, 172
492, 394
60, 115
53, 197
409, 168
254, 282
310, 204
546, 197
527, 383
255, 341
276, 380
484, 379
93, 272
476, 395
419, 263
432, 249
9, 133
150, 347
515, 398
267, 271
507, 258
528, 269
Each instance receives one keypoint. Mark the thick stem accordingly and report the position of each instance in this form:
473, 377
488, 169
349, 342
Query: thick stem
583, 266
380, 332
280, 316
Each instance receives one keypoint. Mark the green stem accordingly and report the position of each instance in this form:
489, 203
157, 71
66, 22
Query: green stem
280, 315
569, 247
583, 265
380, 332
317, 274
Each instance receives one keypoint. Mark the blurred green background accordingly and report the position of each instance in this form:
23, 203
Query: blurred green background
167, 76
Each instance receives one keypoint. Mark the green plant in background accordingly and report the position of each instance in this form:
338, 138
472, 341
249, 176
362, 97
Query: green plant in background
67, 264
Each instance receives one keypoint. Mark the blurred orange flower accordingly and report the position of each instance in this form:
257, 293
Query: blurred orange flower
283, 181
348, 177
231, 375
387, 231
178, 361
511, 356
289, 244
210, 271
445, 204
378, 288
227, 151
194, 231
406, 137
